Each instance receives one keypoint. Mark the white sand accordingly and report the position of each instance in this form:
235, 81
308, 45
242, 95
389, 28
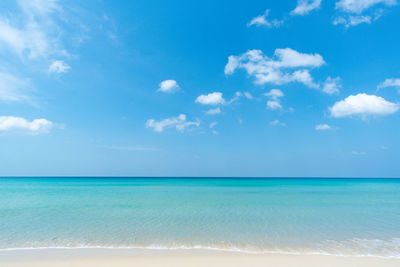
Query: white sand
180, 258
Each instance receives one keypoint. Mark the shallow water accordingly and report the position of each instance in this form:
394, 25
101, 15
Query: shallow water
328, 216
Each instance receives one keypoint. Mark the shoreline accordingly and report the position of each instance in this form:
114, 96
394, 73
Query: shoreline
197, 249
88, 257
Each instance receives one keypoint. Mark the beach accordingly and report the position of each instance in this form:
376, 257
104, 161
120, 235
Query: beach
150, 258
155, 220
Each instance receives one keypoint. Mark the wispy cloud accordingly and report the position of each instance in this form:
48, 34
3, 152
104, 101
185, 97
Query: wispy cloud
355, 12
277, 123
358, 6
352, 20
213, 111
262, 21
358, 153
275, 95
323, 127
392, 82
213, 124
32, 33
14, 88
306, 6
129, 148
180, 123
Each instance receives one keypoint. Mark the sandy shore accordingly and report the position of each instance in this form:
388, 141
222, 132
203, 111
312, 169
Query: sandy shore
145, 257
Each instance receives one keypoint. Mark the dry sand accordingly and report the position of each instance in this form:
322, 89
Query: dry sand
179, 258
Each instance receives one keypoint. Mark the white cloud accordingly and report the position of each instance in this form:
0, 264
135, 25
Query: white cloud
19, 124
248, 95
179, 123
262, 21
304, 77
322, 127
389, 83
213, 111
239, 95
363, 105
13, 88
273, 105
41, 7
358, 153
275, 94
358, 6
168, 86
276, 70
332, 85
291, 58
214, 98
235, 98
32, 32
213, 124
352, 20
59, 66
129, 148
277, 123
305, 6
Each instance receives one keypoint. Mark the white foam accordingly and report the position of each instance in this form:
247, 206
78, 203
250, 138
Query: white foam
213, 248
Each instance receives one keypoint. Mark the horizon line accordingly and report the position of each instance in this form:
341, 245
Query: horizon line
199, 177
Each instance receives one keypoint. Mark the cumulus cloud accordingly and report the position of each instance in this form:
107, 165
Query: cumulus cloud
214, 98
262, 21
389, 83
305, 6
19, 124
180, 123
13, 88
358, 6
168, 86
331, 85
59, 66
213, 111
286, 65
322, 127
363, 105
275, 94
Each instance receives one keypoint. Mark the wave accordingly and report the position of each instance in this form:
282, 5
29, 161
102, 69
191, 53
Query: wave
370, 248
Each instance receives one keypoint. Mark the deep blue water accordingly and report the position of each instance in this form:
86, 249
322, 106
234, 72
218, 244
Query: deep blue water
334, 216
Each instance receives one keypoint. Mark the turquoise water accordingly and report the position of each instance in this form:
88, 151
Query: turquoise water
329, 216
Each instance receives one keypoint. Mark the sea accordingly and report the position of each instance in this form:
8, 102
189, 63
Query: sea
344, 217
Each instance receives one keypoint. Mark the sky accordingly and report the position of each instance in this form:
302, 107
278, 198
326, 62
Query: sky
302, 88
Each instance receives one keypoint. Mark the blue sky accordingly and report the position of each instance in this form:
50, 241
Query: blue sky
210, 88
